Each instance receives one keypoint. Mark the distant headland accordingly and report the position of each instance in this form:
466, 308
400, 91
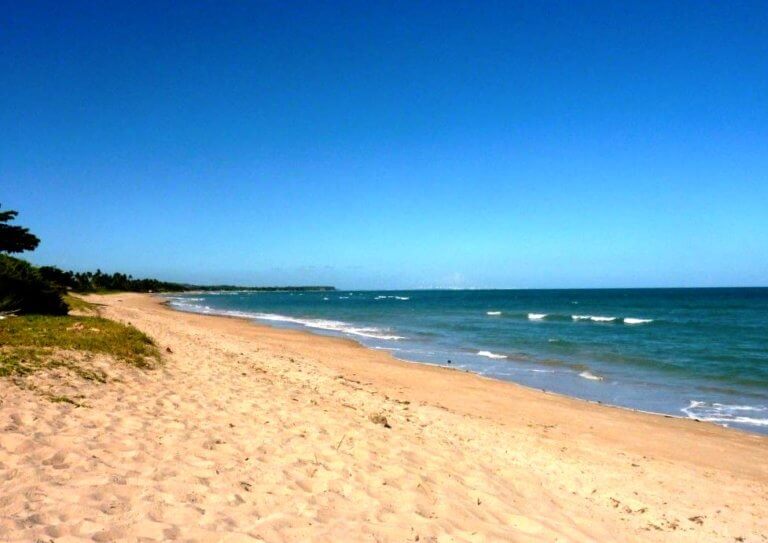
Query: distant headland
99, 281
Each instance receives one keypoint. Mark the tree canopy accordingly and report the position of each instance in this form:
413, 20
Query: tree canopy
15, 239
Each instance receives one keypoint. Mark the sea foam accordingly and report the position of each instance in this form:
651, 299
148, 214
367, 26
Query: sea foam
324, 324
593, 318
493, 313
489, 354
631, 320
319, 324
725, 413
536, 316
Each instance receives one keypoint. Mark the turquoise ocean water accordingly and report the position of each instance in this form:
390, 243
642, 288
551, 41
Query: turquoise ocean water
698, 353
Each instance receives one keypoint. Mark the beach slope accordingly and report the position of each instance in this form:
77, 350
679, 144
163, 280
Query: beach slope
253, 433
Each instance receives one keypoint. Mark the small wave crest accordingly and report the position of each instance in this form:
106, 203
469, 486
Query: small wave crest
559, 317
598, 318
401, 298
727, 414
632, 320
590, 376
489, 354
593, 318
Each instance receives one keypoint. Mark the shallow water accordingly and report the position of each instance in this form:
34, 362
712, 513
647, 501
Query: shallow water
698, 353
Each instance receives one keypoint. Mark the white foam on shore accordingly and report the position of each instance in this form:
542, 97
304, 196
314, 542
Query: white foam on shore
632, 320
323, 324
489, 354
320, 324
725, 414
493, 313
536, 316
590, 376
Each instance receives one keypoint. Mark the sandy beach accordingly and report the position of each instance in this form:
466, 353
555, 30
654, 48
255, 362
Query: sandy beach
250, 433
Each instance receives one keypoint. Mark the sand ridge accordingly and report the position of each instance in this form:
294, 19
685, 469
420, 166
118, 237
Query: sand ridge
249, 433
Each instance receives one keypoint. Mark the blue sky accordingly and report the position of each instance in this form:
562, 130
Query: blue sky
391, 144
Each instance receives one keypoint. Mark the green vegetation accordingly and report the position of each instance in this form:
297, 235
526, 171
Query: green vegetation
75, 303
23, 361
35, 332
99, 281
104, 282
44, 343
31, 344
24, 341
24, 291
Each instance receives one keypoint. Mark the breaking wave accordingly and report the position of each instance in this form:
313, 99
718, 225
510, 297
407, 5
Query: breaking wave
489, 354
725, 413
335, 326
573, 318
631, 320
590, 376
593, 318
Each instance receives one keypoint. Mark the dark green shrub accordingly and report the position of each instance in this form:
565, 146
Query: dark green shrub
23, 290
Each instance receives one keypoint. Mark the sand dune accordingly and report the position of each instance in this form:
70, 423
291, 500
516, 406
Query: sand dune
248, 433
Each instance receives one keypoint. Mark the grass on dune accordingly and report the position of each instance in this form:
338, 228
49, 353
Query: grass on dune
23, 361
28, 343
79, 305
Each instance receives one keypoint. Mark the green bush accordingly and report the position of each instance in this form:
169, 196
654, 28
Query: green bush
23, 290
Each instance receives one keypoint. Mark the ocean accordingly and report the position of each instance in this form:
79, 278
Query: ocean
697, 353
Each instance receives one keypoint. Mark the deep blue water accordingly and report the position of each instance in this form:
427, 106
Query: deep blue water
700, 353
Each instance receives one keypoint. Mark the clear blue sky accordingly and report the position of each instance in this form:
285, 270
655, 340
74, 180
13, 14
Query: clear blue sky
391, 144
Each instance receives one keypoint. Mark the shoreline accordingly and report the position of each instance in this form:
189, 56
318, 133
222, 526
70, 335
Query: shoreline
498, 385
166, 303
253, 433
